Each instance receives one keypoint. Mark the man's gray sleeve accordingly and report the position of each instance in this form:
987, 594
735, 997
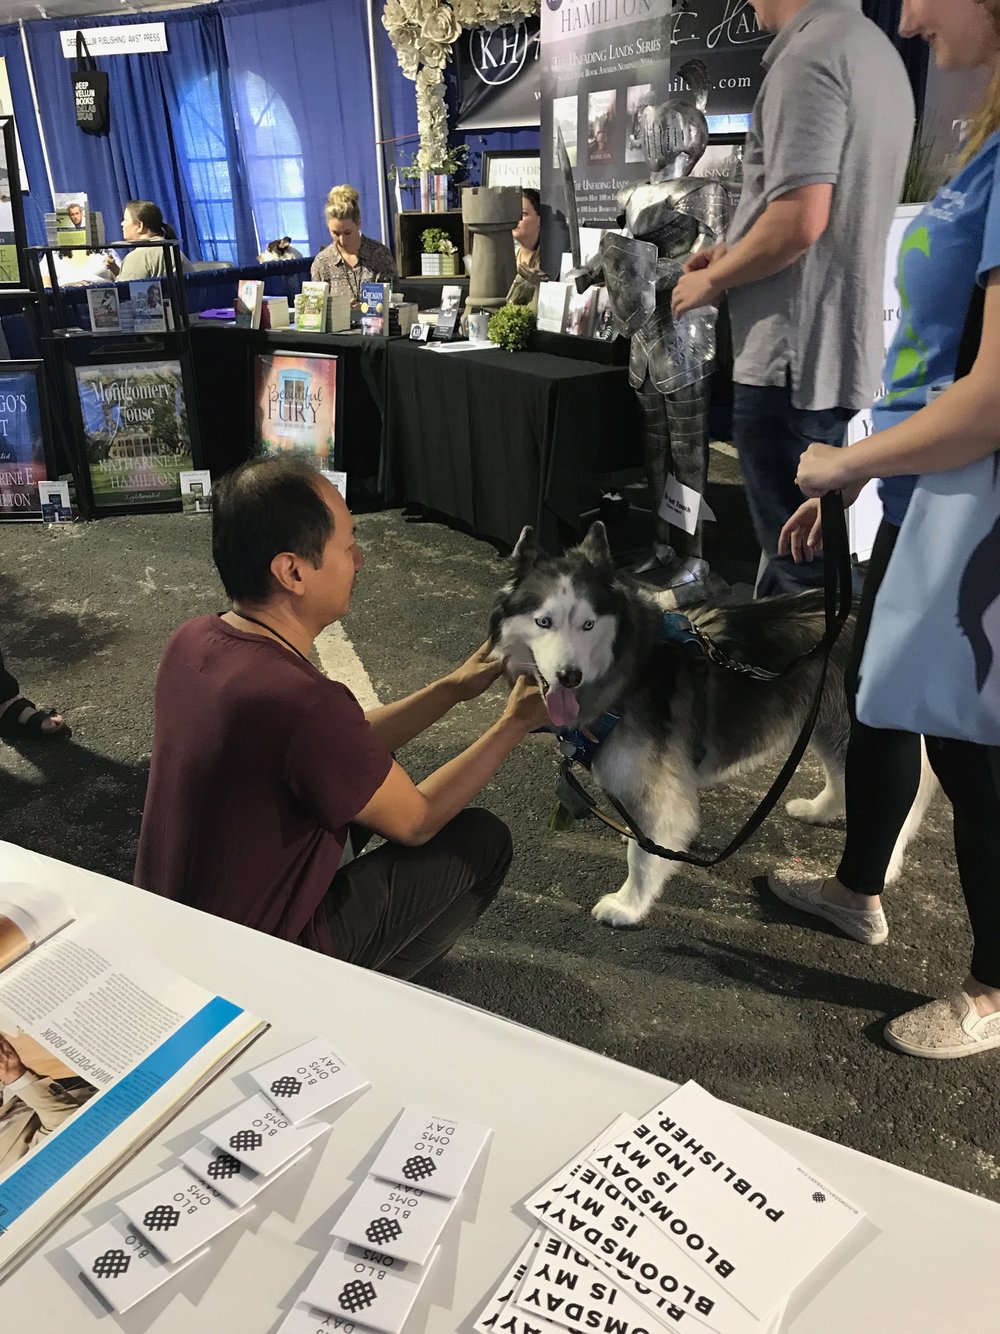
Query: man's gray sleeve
804, 125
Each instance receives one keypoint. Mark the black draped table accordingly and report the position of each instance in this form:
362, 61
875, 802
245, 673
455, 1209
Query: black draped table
498, 440
223, 367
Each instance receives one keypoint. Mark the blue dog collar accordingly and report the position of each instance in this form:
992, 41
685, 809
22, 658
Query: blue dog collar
583, 746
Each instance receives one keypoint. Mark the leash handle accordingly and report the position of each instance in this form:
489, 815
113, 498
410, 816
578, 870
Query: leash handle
837, 590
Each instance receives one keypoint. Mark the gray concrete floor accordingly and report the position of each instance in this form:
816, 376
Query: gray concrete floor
722, 985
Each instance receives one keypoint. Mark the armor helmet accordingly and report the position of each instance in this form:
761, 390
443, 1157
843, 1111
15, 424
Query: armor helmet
674, 137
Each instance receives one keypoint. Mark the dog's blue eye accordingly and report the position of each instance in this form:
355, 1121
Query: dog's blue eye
543, 622
588, 625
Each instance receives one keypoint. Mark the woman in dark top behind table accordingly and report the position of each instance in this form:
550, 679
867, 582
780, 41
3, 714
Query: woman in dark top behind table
351, 259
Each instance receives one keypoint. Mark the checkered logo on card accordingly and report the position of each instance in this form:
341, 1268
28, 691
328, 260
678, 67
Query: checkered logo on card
356, 1296
244, 1140
418, 1169
161, 1219
224, 1166
819, 1197
112, 1264
286, 1087
380, 1231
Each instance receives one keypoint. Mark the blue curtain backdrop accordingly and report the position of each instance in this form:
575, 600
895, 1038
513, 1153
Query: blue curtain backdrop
38, 201
153, 97
313, 55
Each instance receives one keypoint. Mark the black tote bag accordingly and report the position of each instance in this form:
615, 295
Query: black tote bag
90, 91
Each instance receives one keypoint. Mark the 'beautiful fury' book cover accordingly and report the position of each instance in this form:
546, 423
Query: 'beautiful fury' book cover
296, 405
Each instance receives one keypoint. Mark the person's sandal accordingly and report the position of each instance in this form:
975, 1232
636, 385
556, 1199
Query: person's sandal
12, 729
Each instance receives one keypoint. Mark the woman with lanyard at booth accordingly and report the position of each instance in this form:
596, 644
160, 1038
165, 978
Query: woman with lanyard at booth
351, 258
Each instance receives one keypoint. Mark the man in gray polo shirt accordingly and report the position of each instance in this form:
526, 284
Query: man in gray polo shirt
803, 263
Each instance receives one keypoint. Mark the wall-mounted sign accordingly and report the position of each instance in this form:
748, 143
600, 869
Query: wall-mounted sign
498, 83
128, 40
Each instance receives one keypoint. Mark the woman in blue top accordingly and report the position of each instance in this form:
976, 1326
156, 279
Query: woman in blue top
927, 422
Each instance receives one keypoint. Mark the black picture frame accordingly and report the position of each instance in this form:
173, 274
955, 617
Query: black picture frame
493, 157
99, 503
13, 269
28, 508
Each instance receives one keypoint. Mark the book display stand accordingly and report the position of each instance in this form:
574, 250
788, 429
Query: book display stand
125, 386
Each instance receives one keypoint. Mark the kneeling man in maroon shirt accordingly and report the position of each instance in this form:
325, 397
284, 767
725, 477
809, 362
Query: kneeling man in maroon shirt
260, 762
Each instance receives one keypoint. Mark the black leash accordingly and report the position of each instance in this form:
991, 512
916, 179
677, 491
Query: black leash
837, 595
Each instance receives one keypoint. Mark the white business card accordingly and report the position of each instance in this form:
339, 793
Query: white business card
233, 1180
359, 1284
337, 479
430, 1151
260, 1135
750, 1215
177, 1213
396, 1219
306, 1319
120, 1264
307, 1080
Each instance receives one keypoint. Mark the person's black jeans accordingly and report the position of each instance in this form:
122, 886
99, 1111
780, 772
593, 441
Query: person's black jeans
770, 435
398, 910
8, 684
881, 780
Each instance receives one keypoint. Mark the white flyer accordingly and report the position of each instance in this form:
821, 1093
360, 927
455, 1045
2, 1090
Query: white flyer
750, 1216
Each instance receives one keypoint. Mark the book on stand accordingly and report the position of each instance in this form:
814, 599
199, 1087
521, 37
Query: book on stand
553, 303
249, 303
148, 311
375, 299
581, 312
104, 305
311, 315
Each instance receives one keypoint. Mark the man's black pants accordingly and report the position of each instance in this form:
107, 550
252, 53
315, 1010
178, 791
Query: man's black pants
398, 910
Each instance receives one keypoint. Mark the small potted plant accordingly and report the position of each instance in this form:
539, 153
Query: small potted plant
440, 254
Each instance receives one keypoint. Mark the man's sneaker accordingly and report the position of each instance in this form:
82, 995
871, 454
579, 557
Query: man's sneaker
870, 928
944, 1030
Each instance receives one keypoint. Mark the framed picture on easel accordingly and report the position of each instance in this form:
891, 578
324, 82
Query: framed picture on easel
133, 431
25, 440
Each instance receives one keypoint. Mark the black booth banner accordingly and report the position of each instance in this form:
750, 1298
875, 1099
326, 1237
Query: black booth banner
602, 61
135, 432
498, 76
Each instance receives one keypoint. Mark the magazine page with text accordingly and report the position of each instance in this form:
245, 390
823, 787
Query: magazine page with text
100, 1044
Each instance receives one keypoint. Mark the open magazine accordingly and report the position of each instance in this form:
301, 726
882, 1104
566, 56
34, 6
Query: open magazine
100, 1045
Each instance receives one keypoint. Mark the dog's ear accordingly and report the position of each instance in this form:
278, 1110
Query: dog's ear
595, 547
525, 553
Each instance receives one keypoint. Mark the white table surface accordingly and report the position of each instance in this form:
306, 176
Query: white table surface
923, 1263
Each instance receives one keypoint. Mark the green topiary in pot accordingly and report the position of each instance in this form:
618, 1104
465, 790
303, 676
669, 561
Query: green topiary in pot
511, 326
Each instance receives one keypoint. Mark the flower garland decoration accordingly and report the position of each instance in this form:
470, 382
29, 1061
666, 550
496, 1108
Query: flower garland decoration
422, 33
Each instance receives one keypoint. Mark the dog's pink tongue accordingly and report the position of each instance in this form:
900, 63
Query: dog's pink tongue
562, 706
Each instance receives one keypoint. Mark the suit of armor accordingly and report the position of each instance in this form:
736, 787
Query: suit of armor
668, 218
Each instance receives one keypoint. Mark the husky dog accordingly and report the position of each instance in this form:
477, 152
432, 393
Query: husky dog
593, 639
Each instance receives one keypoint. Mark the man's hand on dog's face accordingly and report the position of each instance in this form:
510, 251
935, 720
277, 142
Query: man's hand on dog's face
526, 705
476, 674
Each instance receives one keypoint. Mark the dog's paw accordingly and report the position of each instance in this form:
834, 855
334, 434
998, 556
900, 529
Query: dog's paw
814, 810
613, 912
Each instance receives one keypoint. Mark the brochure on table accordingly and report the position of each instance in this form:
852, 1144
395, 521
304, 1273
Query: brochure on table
100, 1043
